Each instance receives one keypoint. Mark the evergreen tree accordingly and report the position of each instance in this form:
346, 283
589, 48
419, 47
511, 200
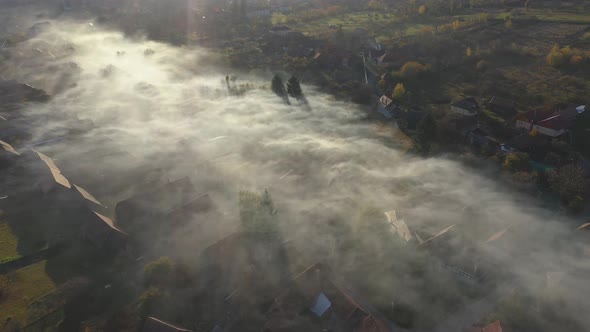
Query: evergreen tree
258, 214
294, 88
426, 132
278, 87
427, 127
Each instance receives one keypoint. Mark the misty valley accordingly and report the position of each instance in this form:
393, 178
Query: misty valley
199, 165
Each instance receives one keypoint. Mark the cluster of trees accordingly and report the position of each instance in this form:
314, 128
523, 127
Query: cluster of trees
572, 185
412, 69
159, 276
569, 181
258, 215
293, 88
426, 133
518, 161
566, 56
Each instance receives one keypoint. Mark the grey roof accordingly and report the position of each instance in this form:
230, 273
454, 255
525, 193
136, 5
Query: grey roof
469, 104
156, 325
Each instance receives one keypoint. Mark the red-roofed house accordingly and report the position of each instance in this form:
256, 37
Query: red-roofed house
494, 327
316, 301
552, 123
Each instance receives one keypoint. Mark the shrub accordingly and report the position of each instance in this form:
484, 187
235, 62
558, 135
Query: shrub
412, 69
576, 204
151, 300
559, 57
576, 60
159, 271
399, 91
524, 176
517, 161
482, 65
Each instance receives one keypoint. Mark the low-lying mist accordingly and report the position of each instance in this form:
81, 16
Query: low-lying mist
173, 110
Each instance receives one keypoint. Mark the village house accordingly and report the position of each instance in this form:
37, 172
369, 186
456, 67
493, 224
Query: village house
317, 301
8, 155
13, 92
408, 120
103, 233
501, 105
399, 227
152, 324
551, 123
15, 131
171, 204
493, 327
463, 125
467, 107
450, 251
482, 139
387, 107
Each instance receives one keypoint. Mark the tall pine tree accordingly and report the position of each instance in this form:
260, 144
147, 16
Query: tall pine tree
278, 87
294, 88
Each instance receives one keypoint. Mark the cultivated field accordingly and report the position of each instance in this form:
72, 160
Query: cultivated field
22, 287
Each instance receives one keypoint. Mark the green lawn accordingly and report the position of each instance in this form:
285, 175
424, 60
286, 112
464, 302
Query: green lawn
8, 244
22, 287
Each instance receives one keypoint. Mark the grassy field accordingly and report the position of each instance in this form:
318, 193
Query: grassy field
349, 22
547, 15
384, 26
20, 288
8, 244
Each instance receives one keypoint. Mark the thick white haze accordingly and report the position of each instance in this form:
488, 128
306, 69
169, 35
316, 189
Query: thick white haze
172, 110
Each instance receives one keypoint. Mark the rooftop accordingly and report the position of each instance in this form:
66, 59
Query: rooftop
156, 325
469, 104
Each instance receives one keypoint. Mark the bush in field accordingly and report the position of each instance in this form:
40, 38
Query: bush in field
559, 57
482, 65
412, 69
576, 60
151, 301
399, 91
160, 271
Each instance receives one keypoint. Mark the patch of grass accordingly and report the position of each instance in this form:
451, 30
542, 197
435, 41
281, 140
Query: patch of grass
349, 22
493, 116
547, 15
8, 244
20, 288
586, 36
